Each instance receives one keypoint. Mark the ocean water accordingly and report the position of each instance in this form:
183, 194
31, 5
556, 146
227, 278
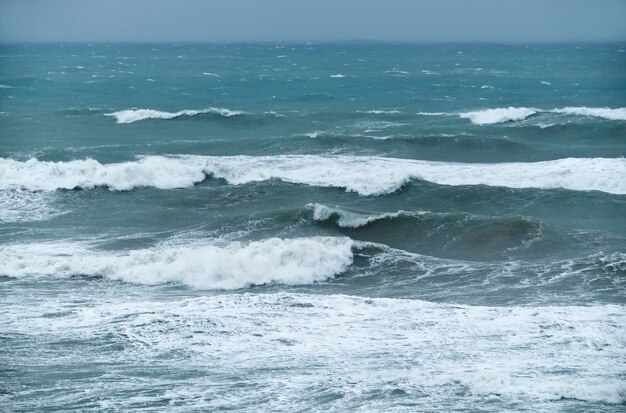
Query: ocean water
310, 227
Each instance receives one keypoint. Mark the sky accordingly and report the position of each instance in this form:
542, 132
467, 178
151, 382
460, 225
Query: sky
420, 21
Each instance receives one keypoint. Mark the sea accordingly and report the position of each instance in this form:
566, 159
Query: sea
312, 227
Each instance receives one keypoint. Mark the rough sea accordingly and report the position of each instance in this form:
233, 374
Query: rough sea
313, 227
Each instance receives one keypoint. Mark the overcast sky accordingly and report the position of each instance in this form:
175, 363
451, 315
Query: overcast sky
313, 20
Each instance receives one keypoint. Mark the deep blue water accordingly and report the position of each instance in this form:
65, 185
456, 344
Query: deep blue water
310, 227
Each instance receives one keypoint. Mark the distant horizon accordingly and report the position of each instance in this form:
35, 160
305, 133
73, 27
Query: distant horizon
316, 42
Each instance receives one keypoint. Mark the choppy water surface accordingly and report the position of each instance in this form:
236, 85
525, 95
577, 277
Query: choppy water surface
313, 227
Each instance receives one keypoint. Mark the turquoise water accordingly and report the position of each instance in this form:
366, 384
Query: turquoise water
310, 227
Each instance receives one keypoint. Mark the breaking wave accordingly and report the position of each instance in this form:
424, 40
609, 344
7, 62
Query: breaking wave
362, 174
237, 265
349, 219
500, 115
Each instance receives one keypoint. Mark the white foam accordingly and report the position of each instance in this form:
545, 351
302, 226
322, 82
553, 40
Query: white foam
210, 74
546, 83
6, 87
338, 76
499, 115
604, 113
134, 115
349, 219
362, 174
236, 265
433, 354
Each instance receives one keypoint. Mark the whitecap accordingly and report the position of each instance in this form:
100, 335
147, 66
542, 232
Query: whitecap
134, 115
338, 75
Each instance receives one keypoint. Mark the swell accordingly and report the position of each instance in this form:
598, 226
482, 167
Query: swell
364, 175
461, 147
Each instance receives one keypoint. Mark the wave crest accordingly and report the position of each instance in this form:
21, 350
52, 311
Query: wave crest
349, 219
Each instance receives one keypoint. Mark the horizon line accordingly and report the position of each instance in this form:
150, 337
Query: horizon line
316, 42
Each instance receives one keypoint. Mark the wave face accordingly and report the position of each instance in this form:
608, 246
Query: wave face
604, 113
237, 265
364, 175
135, 115
443, 235
500, 115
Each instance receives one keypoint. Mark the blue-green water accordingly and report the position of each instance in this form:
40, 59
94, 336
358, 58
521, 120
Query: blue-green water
313, 227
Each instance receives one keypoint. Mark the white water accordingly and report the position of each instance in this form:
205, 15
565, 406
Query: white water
365, 349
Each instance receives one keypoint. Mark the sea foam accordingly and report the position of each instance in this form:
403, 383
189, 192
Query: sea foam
236, 265
26, 206
362, 174
546, 357
135, 115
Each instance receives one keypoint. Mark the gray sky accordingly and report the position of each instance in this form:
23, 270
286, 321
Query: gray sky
313, 20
